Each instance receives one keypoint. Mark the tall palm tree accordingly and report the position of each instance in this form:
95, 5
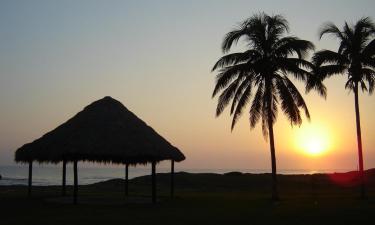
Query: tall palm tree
266, 64
355, 57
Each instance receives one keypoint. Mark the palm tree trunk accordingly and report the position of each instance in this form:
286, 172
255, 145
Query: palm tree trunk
359, 142
275, 194
269, 96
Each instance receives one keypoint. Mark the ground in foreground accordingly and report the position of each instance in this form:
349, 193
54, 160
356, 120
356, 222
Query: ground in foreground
200, 199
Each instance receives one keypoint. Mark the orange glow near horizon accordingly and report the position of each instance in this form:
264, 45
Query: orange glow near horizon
313, 140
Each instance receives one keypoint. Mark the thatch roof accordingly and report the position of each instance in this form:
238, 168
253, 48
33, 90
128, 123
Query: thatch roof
104, 131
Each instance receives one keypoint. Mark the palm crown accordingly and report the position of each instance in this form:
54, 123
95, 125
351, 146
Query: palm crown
265, 66
355, 56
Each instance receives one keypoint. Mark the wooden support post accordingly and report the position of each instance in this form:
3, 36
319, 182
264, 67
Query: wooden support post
127, 179
75, 189
30, 178
153, 175
64, 178
172, 178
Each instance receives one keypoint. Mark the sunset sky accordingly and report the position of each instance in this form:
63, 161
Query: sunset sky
156, 57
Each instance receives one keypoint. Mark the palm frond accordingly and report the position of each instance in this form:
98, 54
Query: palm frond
288, 104
232, 38
350, 84
363, 86
314, 82
369, 50
276, 26
241, 88
290, 45
241, 105
226, 96
256, 106
332, 29
298, 99
228, 74
327, 71
369, 76
235, 58
365, 23
364, 28
293, 66
330, 57
368, 61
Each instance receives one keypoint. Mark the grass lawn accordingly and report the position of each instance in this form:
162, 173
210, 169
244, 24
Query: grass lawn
200, 199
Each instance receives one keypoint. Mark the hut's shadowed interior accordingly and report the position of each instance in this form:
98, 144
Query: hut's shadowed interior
104, 132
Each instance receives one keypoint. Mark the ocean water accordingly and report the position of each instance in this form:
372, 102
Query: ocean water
52, 175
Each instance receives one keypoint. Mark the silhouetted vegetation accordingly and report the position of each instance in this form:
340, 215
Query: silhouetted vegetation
264, 69
355, 58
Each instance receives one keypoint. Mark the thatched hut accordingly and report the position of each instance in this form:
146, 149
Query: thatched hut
104, 131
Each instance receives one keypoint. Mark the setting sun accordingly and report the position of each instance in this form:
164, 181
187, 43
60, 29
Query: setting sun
312, 140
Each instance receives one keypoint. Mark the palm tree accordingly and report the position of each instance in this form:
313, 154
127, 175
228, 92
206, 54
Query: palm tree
266, 64
354, 57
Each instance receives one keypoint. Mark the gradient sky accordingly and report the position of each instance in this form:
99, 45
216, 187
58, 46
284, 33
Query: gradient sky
155, 57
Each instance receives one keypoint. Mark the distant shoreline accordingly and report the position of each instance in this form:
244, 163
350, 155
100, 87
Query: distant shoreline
6, 181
